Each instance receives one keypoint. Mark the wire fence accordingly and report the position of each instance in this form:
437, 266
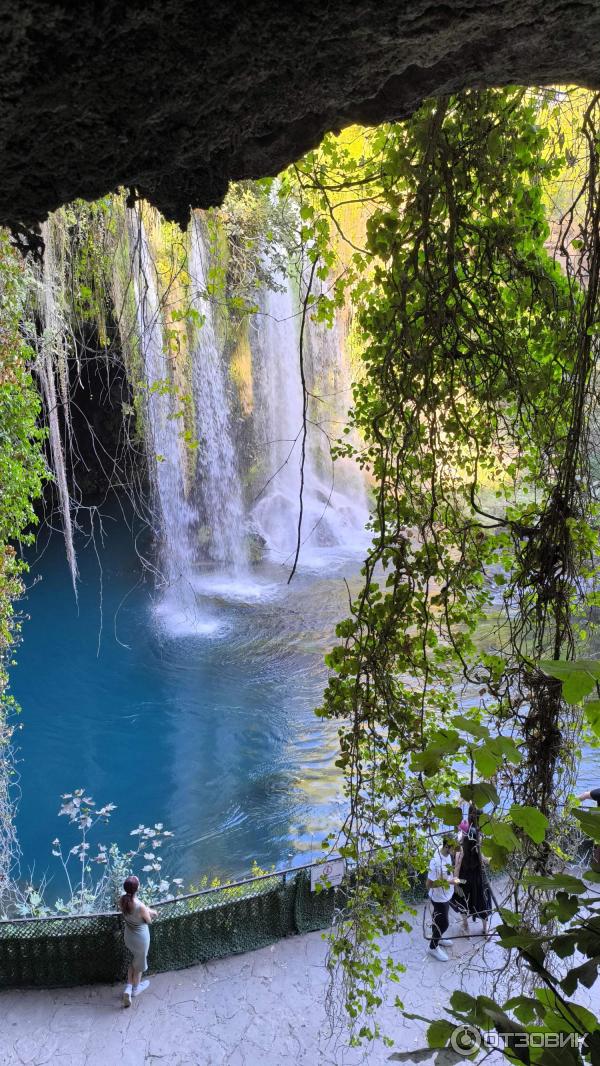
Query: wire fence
209, 924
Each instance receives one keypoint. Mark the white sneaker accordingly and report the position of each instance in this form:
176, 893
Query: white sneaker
127, 996
438, 953
448, 943
143, 985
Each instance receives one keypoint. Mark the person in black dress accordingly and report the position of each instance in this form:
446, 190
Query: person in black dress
475, 900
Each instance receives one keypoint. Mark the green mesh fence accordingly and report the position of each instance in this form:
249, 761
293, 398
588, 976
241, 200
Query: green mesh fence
50, 952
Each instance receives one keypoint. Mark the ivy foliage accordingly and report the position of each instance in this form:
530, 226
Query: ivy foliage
22, 468
22, 472
474, 407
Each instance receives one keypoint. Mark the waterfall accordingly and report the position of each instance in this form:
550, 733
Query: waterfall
275, 364
334, 498
176, 517
52, 365
202, 518
218, 466
238, 492
330, 403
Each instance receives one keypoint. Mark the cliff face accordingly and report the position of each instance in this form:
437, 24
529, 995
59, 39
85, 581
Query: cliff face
177, 97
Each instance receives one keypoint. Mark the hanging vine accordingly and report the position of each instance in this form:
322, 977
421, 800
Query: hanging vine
479, 348
22, 472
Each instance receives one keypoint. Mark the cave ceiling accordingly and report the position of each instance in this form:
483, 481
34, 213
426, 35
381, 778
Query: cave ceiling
174, 98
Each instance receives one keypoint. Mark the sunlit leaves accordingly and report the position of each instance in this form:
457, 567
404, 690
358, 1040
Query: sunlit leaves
470, 340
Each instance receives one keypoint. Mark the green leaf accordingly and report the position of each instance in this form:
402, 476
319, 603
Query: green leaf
481, 793
561, 668
578, 678
502, 834
470, 726
576, 687
531, 820
563, 906
586, 975
525, 1007
462, 1001
508, 748
510, 917
430, 760
495, 853
486, 760
591, 709
448, 813
531, 945
590, 823
439, 1032
564, 944
555, 881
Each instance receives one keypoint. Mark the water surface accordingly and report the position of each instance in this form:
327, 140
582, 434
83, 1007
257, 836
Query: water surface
194, 709
200, 717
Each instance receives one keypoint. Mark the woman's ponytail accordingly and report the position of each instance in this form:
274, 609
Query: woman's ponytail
131, 885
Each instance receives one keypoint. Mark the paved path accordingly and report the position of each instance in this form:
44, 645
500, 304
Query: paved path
266, 1008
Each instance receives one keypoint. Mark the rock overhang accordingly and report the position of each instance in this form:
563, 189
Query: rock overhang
175, 98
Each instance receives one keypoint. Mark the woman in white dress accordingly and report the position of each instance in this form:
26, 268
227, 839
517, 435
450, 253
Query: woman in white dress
136, 933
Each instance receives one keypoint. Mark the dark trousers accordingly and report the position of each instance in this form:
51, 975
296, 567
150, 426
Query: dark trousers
440, 922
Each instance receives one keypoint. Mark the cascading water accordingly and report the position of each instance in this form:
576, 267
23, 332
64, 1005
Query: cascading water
334, 515
218, 467
275, 369
52, 365
176, 517
330, 401
203, 523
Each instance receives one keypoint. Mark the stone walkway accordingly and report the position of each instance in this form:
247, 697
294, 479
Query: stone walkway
266, 1008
